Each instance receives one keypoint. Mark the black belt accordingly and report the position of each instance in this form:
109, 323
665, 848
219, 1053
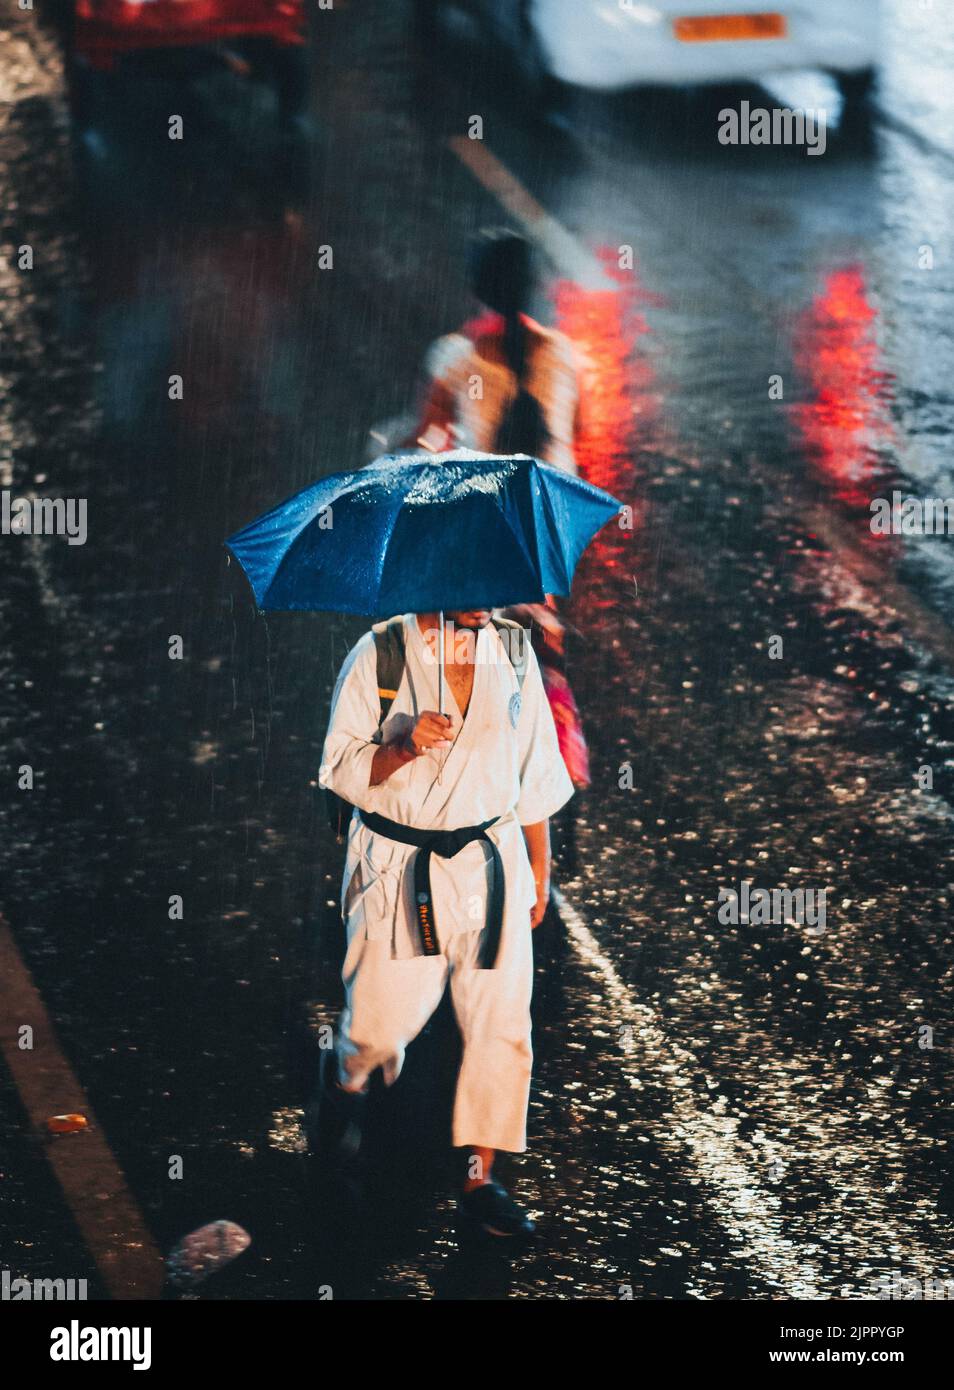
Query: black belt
446, 843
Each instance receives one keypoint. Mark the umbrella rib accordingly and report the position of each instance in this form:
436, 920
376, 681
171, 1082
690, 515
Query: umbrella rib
355, 480
555, 530
519, 541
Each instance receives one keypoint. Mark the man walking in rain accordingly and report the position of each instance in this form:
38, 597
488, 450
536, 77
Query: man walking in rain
447, 873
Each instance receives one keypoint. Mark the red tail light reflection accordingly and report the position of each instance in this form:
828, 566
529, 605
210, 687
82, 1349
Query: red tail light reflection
844, 425
618, 413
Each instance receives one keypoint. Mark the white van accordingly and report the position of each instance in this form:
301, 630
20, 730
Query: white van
614, 44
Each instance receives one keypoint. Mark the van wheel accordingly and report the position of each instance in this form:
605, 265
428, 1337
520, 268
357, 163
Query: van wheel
545, 98
857, 89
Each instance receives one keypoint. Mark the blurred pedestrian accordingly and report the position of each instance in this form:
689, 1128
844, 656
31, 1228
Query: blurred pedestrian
502, 382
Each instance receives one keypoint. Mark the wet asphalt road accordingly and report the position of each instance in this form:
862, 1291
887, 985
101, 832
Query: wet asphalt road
719, 1111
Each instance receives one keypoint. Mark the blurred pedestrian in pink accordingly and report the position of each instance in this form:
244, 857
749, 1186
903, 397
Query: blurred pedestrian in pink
503, 383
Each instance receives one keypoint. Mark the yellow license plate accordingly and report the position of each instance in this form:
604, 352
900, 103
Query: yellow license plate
706, 28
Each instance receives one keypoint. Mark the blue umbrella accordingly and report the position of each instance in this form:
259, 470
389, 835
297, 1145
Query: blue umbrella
422, 533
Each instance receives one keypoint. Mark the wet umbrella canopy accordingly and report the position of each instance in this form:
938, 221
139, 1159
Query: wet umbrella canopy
418, 533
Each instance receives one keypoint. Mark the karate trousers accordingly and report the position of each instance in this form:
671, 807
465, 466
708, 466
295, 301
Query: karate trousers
388, 1002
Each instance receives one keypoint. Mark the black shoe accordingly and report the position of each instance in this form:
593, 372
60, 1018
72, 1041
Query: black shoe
334, 1118
491, 1207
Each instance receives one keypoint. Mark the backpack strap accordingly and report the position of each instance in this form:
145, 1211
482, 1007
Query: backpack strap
389, 647
518, 648
389, 642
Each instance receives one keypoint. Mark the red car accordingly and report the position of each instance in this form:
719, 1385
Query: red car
251, 37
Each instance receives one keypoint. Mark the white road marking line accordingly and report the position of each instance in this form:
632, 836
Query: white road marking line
777, 1242
748, 1213
568, 255
92, 1182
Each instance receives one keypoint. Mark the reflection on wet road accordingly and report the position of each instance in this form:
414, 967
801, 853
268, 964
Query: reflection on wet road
721, 1110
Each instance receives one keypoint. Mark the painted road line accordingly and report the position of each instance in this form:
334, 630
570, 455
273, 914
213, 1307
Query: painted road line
93, 1184
568, 255
751, 1216
91, 1180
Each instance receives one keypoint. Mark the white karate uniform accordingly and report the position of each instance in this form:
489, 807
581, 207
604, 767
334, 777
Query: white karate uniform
505, 762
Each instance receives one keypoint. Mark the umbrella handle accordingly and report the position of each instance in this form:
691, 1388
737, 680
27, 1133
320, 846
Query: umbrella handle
440, 666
